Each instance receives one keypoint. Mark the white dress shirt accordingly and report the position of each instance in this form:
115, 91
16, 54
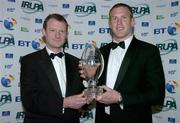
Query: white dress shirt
116, 57
60, 68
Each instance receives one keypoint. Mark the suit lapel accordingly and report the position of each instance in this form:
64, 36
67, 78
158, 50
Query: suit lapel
47, 65
68, 75
105, 53
128, 58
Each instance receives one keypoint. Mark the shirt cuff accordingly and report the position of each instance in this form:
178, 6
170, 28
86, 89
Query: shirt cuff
120, 102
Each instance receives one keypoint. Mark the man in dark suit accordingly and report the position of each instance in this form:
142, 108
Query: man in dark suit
51, 89
133, 76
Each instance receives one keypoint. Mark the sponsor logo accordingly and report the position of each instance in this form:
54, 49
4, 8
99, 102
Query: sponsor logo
32, 6
145, 24
171, 86
24, 29
174, 3
171, 29
85, 9
9, 23
78, 46
6, 40
167, 46
7, 80
38, 20
18, 99
159, 17
174, 14
104, 30
91, 32
91, 23
65, 6
77, 33
10, 9
8, 66
104, 17
11, 0
5, 113
140, 10
171, 120
20, 116
171, 72
5, 97
9, 55
36, 44
172, 61
144, 34
169, 104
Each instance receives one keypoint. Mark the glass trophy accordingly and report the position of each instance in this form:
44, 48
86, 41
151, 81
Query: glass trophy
92, 65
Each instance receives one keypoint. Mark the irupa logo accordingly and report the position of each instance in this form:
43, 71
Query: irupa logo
5, 97
140, 10
32, 6
167, 46
169, 104
85, 9
6, 40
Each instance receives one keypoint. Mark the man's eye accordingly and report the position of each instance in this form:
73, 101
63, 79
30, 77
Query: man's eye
113, 18
52, 30
62, 31
125, 17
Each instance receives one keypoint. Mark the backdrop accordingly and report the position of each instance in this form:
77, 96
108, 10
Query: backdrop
157, 22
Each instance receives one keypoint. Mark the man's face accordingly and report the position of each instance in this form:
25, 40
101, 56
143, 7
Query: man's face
121, 23
56, 34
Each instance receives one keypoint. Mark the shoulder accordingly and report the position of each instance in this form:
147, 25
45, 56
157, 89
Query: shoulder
145, 48
32, 56
144, 44
71, 57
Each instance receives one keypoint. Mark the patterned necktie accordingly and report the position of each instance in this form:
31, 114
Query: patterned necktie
60, 55
115, 45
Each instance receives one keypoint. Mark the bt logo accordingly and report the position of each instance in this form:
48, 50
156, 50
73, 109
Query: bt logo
9, 23
37, 44
104, 30
172, 28
171, 86
6, 81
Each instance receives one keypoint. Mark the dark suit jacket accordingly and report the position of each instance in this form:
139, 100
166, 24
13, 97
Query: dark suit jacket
140, 81
40, 91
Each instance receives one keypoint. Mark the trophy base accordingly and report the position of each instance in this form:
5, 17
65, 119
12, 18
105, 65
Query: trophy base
92, 92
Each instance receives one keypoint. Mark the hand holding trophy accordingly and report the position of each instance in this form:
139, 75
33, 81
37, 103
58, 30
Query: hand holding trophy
92, 66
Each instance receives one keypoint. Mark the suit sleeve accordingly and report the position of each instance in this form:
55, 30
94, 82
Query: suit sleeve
148, 80
36, 97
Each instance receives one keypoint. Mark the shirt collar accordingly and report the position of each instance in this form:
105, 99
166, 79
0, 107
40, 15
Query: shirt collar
50, 51
127, 41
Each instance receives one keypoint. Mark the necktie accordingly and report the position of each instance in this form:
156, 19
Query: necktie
60, 55
115, 45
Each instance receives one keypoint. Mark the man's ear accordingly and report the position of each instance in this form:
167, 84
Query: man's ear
132, 22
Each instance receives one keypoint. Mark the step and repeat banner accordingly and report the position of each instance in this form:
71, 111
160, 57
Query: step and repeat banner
157, 22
